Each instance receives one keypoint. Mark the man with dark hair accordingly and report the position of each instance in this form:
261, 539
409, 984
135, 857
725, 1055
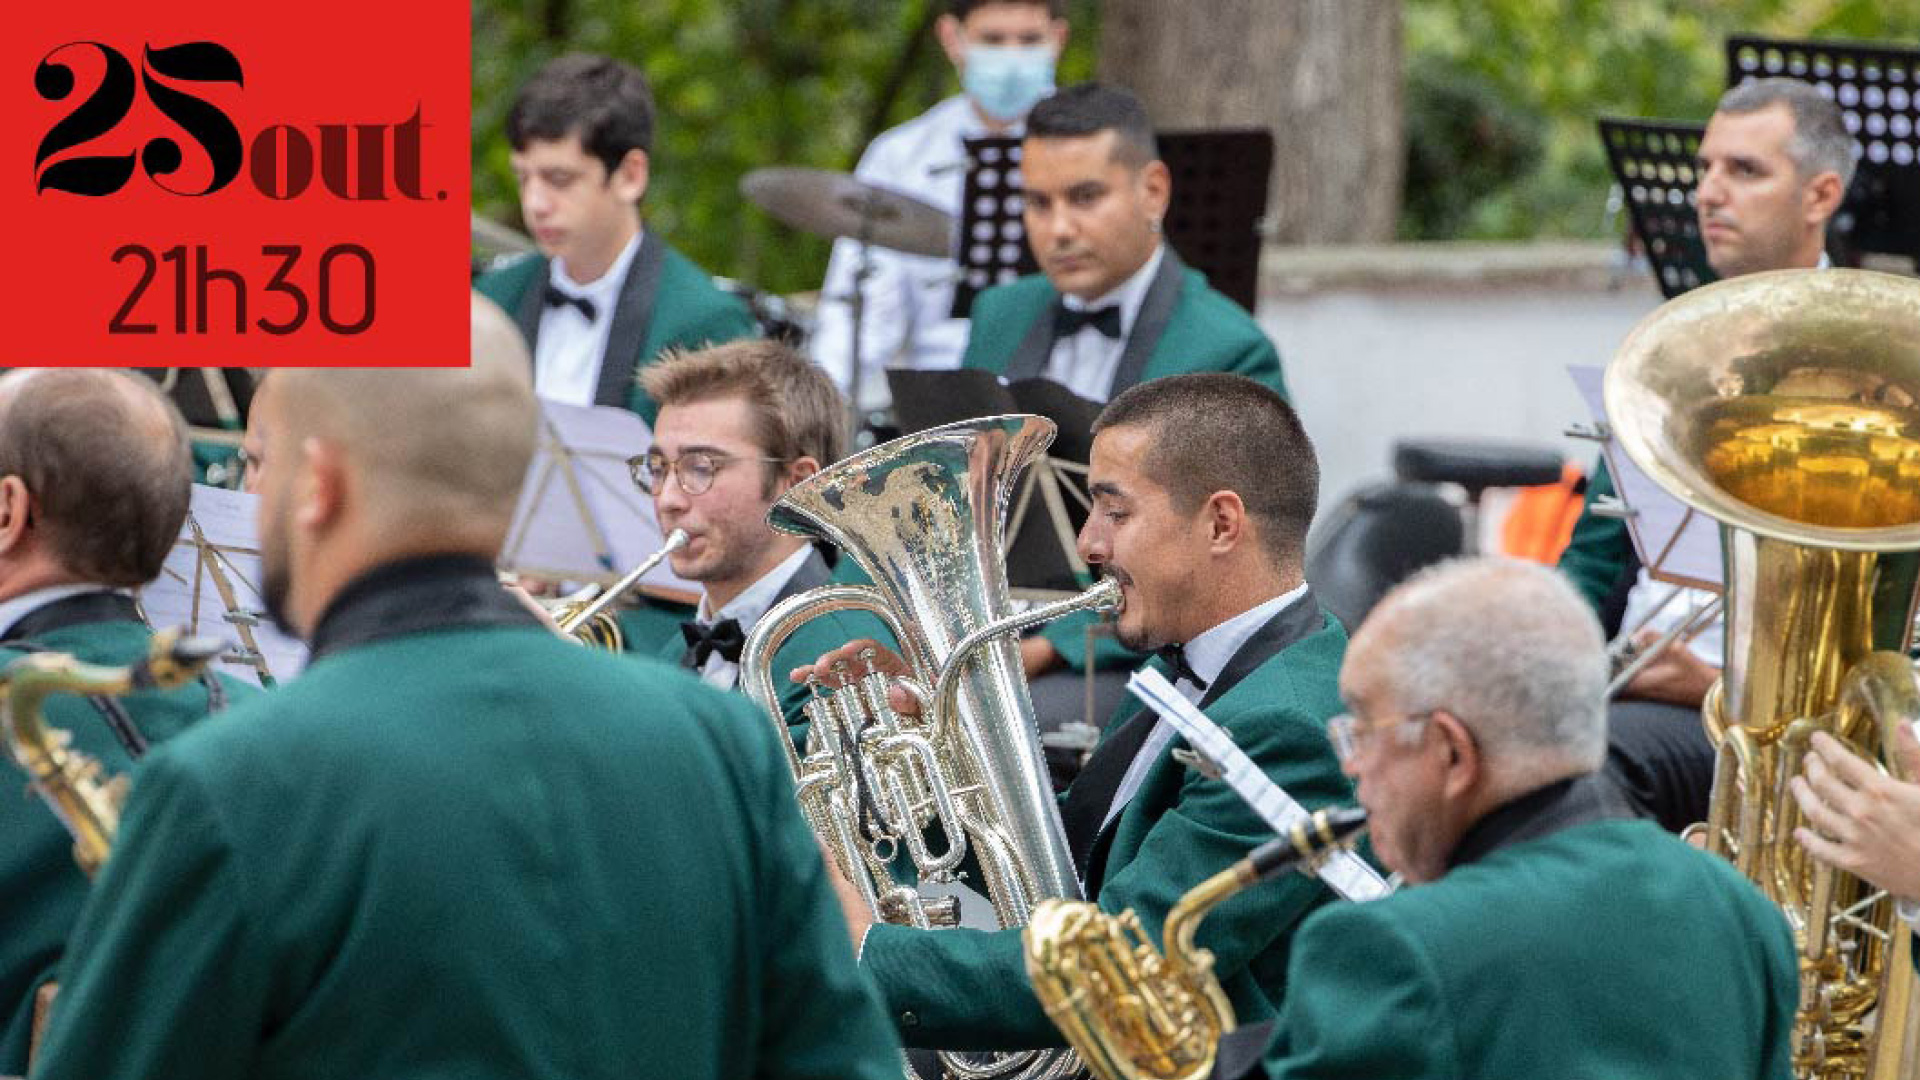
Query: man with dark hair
1005, 52
1202, 527
604, 298
1539, 922
95, 477
1114, 305
739, 425
456, 845
1774, 165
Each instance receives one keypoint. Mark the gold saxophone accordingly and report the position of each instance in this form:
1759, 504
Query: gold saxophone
1786, 406
589, 618
1132, 1013
85, 800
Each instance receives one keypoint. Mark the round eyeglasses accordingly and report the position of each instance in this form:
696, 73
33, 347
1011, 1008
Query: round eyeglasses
1350, 736
694, 469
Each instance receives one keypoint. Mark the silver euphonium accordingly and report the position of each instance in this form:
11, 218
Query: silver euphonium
924, 517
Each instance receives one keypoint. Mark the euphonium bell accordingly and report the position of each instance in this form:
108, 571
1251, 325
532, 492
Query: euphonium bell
924, 517
1786, 406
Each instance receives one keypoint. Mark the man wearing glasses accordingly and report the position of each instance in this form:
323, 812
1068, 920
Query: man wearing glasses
1541, 922
739, 425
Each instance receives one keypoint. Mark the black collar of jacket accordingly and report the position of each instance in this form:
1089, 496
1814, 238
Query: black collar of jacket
409, 596
1295, 623
1540, 812
80, 610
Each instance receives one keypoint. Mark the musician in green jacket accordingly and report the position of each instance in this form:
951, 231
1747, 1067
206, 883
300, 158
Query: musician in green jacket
605, 297
456, 845
1114, 306
1204, 531
1540, 923
740, 424
95, 478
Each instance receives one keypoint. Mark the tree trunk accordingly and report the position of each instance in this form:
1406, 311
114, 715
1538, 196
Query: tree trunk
1323, 75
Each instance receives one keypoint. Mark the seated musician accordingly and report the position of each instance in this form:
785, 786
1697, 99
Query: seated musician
605, 297
1114, 305
456, 845
95, 478
1005, 52
1541, 925
739, 425
1774, 165
1864, 821
1203, 529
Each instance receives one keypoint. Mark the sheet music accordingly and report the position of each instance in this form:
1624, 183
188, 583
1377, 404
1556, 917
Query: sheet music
581, 517
211, 584
1346, 873
1675, 543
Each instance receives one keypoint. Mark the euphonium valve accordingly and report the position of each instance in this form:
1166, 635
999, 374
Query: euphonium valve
1786, 406
1133, 1013
74, 785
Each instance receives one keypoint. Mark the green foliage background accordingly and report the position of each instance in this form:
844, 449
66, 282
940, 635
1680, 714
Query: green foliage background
1500, 102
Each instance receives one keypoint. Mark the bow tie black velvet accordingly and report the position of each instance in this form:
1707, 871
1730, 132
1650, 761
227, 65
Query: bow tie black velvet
556, 298
724, 637
1176, 658
1068, 322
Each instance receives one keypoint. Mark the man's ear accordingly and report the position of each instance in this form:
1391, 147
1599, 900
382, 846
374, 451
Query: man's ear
801, 468
630, 178
1227, 522
1464, 763
1822, 197
320, 502
1156, 189
953, 39
16, 513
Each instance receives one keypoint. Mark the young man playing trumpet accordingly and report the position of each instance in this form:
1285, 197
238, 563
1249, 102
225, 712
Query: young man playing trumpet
740, 424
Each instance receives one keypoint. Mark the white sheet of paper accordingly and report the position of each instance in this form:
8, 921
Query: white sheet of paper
581, 517
1346, 873
1691, 559
186, 593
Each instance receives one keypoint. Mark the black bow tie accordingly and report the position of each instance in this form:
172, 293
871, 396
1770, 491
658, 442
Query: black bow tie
556, 298
1176, 658
723, 637
1069, 321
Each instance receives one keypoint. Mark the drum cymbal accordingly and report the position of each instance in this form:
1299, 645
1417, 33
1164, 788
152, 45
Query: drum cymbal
834, 204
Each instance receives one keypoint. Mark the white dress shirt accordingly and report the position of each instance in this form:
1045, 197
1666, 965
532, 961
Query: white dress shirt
12, 611
909, 298
570, 347
1085, 361
746, 610
1207, 654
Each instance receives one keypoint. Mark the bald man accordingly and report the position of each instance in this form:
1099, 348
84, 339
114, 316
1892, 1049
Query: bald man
457, 845
95, 478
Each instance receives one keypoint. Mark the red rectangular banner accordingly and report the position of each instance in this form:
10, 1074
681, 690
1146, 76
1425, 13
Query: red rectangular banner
225, 182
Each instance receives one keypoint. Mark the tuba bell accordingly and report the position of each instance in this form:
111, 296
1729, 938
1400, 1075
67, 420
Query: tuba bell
923, 516
1786, 406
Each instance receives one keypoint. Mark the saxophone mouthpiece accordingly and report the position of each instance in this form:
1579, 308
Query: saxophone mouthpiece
1308, 841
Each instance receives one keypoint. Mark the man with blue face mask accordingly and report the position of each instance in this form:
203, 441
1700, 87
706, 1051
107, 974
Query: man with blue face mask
1005, 52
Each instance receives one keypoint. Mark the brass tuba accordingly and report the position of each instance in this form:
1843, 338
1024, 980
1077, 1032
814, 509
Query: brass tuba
1786, 406
73, 784
1132, 1013
923, 516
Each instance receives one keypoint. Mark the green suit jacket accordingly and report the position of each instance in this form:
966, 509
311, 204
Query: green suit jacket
666, 302
1599, 557
967, 989
1608, 949
459, 846
41, 888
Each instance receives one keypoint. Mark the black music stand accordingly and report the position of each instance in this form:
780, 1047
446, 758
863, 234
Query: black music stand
1220, 181
1878, 90
1654, 163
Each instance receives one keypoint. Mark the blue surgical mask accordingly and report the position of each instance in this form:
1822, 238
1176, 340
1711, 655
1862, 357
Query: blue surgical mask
1007, 80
